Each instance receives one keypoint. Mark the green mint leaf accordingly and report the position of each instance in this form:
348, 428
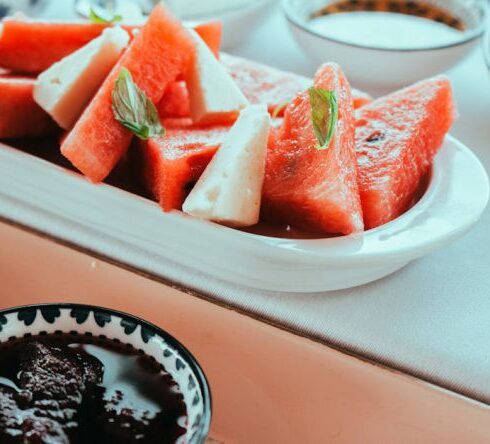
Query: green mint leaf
324, 115
133, 109
95, 17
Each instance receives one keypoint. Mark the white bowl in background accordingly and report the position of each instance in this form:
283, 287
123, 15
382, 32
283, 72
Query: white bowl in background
239, 18
390, 67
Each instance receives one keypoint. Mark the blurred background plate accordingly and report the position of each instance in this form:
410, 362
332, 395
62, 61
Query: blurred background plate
29, 7
240, 18
388, 43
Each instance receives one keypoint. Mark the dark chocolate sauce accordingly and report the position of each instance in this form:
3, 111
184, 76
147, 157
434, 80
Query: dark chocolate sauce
61, 389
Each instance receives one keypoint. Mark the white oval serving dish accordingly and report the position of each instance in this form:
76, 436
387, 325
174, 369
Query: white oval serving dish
135, 233
368, 66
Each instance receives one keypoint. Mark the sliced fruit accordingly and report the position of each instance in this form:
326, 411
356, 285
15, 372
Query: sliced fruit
308, 188
175, 101
64, 89
211, 32
155, 57
264, 84
259, 83
213, 95
397, 137
32, 46
360, 98
229, 191
172, 164
20, 115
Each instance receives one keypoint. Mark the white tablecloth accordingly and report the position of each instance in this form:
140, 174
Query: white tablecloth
432, 318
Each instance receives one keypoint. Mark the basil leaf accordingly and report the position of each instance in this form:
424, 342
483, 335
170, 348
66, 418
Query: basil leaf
95, 17
324, 115
133, 109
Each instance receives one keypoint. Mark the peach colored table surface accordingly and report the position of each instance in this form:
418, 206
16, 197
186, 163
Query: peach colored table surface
432, 319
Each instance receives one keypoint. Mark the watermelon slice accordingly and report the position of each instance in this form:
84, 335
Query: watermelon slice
263, 84
315, 190
211, 32
20, 115
259, 83
155, 57
267, 85
175, 101
397, 138
360, 98
172, 164
33, 46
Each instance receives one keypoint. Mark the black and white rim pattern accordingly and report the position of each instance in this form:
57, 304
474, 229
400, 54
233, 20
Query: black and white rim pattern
144, 337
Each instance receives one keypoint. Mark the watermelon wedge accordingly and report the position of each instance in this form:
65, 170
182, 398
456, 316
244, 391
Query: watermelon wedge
172, 164
315, 190
155, 57
32, 46
263, 84
175, 101
259, 83
397, 137
20, 115
211, 32
267, 85
360, 98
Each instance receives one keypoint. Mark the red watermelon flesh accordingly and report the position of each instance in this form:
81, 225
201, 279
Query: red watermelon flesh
211, 32
360, 98
33, 46
173, 163
315, 190
267, 85
261, 84
175, 101
20, 115
155, 57
397, 137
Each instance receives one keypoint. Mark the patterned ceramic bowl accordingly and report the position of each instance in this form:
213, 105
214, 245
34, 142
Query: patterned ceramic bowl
125, 329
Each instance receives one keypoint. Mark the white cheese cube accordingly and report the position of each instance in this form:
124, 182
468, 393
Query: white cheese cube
212, 92
65, 88
230, 189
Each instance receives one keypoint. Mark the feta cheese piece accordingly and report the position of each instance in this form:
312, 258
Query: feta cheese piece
213, 94
64, 89
230, 189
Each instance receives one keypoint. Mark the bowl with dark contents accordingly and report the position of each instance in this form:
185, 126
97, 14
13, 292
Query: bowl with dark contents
388, 42
82, 374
